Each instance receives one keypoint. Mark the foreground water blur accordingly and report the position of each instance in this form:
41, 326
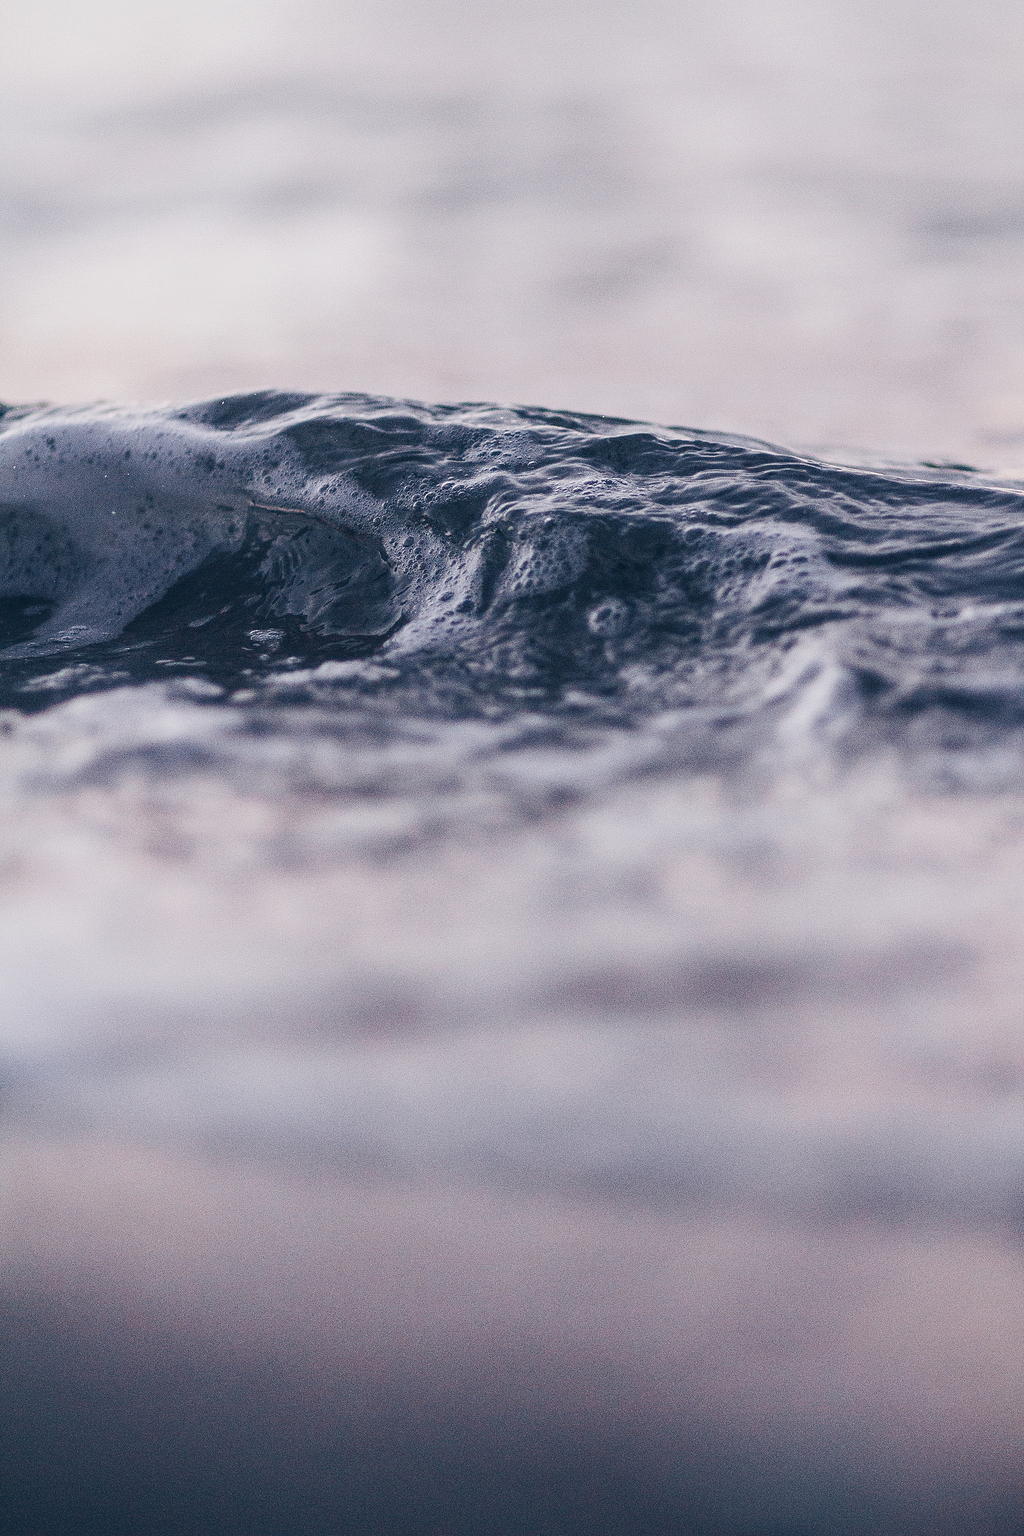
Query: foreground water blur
511, 920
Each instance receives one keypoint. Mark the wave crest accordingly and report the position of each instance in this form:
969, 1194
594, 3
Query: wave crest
494, 559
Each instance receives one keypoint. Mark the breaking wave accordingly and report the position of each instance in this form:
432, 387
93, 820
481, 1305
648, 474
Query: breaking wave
476, 562
492, 857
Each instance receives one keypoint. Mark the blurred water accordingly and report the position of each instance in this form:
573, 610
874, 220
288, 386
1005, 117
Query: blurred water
801, 220
511, 923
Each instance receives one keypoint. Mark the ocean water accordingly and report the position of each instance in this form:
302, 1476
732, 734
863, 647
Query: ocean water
512, 975
800, 219
511, 959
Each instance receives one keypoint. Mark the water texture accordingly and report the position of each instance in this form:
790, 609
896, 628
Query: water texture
460, 563
511, 936
510, 921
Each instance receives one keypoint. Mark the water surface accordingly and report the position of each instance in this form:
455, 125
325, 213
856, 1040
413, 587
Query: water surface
511, 938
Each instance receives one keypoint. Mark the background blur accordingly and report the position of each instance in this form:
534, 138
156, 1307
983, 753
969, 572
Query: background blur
798, 218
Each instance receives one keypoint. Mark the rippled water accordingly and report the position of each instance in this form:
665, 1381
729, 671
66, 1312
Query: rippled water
511, 935
510, 960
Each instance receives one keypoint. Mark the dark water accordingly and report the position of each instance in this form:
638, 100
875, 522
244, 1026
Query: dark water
511, 923
379, 559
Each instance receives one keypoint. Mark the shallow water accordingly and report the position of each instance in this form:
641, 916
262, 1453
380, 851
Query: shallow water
511, 936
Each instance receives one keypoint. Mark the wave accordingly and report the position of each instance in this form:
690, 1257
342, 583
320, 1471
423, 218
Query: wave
343, 938
473, 560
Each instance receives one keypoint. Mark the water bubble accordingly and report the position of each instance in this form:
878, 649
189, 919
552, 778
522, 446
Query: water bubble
608, 618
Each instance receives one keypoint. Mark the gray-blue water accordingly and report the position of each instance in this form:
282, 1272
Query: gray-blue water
511, 929
510, 1017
